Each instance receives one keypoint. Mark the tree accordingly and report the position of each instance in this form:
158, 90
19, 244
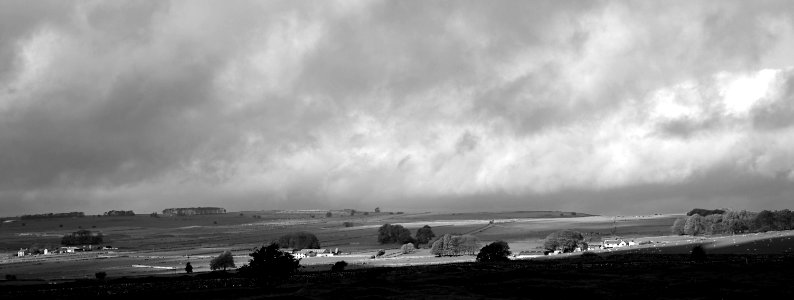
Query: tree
352, 212
339, 266
449, 245
328, 214
223, 261
188, 268
269, 261
678, 226
736, 221
424, 235
783, 219
377, 209
764, 221
496, 251
408, 248
563, 240
100, 275
299, 240
694, 225
388, 234
713, 224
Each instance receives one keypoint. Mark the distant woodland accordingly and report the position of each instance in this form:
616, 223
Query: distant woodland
74, 214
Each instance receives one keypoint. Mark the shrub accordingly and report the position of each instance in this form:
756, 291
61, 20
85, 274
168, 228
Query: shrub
377, 209
188, 268
564, 240
223, 261
698, 253
408, 248
381, 252
328, 214
299, 240
100, 275
269, 261
496, 251
394, 234
424, 235
348, 224
10, 277
339, 266
366, 213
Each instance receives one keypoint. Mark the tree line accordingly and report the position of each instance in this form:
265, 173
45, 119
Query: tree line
82, 237
730, 221
74, 214
119, 213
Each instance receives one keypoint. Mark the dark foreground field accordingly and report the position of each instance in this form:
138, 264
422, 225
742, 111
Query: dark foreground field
628, 276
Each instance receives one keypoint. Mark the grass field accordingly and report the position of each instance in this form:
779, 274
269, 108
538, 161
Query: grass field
148, 245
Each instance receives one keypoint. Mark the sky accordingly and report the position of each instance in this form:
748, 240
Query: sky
608, 107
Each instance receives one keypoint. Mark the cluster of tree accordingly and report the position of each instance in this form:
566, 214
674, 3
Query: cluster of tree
270, 262
190, 211
299, 240
705, 212
117, 213
565, 241
388, 234
734, 222
74, 214
82, 237
223, 261
496, 251
452, 245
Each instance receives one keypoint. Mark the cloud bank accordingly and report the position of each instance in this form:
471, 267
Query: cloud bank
604, 106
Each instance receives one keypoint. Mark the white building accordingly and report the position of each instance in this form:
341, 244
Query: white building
312, 253
21, 252
611, 244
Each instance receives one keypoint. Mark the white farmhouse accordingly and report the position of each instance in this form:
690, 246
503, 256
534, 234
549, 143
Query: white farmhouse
21, 252
611, 244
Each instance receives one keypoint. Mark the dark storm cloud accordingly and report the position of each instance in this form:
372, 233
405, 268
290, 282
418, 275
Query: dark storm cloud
602, 105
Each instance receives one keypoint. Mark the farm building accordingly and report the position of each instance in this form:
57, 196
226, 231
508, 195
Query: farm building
312, 253
22, 252
611, 244
68, 249
594, 247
